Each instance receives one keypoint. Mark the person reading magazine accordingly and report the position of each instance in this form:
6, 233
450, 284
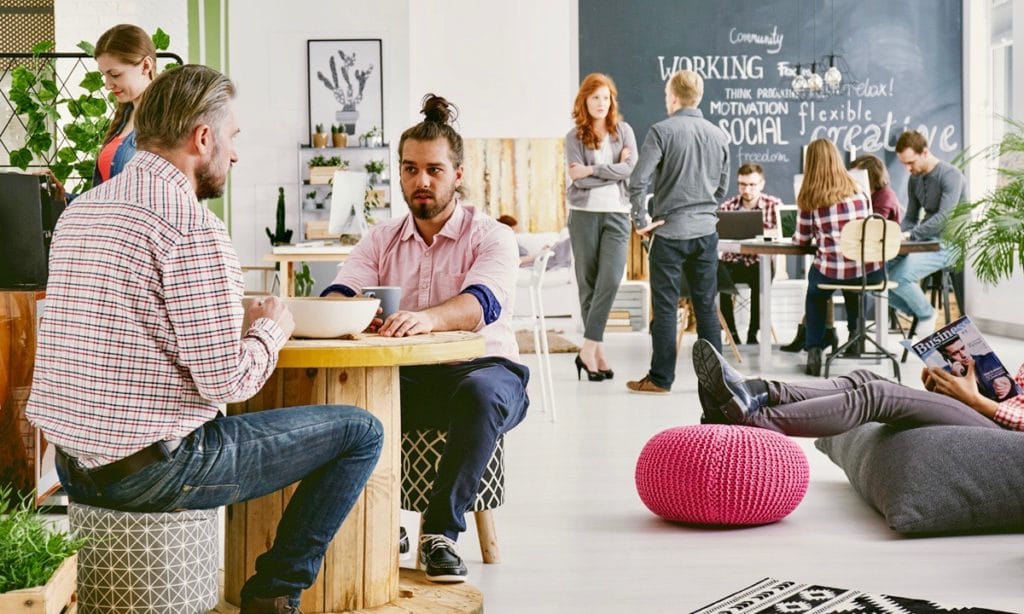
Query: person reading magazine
957, 346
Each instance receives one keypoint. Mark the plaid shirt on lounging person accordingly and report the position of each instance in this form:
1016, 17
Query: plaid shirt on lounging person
1011, 411
141, 333
769, 205
823, 226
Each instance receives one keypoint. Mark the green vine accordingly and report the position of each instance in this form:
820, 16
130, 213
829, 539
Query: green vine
30, 551
83, 120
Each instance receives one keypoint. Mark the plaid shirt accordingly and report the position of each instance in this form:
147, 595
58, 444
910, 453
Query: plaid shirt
764, 202
140, 335
1011, 411
823, 226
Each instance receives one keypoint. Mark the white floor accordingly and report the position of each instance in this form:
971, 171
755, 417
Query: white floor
575, 537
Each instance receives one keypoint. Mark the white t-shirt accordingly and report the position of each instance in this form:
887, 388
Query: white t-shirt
607, 198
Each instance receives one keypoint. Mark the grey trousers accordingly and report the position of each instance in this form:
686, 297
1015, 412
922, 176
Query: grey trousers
599, 242
820, 408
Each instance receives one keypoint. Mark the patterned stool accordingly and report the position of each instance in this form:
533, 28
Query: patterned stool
722, 475
421, 453
154, 563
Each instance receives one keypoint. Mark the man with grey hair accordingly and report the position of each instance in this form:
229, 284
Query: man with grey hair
140, 344
688, 158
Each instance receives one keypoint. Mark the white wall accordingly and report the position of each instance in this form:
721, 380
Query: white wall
78, 20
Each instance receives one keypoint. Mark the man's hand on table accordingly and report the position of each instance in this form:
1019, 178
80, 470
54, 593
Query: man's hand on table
405, 324
269, 307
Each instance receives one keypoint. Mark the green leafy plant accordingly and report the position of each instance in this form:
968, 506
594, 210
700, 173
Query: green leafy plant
320, 129
30, 550
335, 129
332, 161
304, 281
371, 200
281, 235
989, 232
375, 166
45, 109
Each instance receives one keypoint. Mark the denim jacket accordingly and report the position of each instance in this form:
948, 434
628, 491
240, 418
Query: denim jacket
125, 152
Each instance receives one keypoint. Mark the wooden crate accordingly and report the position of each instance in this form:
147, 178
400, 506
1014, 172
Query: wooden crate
54, 597
320, 175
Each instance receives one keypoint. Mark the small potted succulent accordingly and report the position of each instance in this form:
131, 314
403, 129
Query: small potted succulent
338, 136
375, 168
309, 200
320, 137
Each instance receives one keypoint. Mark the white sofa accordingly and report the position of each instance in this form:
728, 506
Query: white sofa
559, 293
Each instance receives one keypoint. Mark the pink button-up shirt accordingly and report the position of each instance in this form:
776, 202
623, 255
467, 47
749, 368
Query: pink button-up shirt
470, 249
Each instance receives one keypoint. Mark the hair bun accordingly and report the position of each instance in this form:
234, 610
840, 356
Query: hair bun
437, 109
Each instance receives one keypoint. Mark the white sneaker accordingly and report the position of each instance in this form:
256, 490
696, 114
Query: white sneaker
925, 326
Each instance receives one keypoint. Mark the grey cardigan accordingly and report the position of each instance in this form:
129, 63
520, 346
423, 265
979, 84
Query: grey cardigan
604, 174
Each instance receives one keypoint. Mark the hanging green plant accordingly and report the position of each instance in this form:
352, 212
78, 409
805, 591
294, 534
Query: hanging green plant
83, 120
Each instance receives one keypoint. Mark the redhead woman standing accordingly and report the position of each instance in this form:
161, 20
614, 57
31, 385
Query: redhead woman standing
828, 199
601, 153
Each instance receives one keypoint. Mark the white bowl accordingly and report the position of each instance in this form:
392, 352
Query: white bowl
325, 318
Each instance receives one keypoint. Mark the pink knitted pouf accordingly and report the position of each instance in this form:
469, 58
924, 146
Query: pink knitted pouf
719, 474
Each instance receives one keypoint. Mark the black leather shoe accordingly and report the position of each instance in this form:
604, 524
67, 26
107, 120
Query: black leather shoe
726, 390
797, 343
442, 562
712, 413
813, 362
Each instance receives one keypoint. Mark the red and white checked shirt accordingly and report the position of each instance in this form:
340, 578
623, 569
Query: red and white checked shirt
140, 338
823, 226
769, 205
1011, 411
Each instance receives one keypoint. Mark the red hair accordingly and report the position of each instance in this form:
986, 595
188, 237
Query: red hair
584, 131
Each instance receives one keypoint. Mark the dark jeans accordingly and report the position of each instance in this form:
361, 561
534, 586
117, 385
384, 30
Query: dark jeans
671, 259
821, 408
816, 304
750, 275
331, 448
475, 402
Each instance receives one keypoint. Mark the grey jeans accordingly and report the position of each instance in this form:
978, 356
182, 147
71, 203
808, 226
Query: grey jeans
599, 243
821, 408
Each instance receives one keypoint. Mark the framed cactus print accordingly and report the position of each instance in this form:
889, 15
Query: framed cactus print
345, 86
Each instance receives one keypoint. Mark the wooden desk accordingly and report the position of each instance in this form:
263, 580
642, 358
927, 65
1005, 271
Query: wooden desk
360, 569
764, 250
288, 255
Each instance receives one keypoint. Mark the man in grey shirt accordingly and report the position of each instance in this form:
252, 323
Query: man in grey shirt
934, 188
688, 158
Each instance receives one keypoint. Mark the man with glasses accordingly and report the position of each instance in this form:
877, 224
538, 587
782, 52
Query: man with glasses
743, 269
934, 188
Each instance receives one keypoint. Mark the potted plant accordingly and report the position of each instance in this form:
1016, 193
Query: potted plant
375, 168
338, 136
321, 169
37, 563
373, 199
320, 137
309, 200
371, 138
989, 232
281, 235
303, 281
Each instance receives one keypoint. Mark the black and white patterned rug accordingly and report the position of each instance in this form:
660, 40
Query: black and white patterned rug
771, 596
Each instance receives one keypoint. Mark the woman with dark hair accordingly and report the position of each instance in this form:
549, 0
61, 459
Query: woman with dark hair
601, 153
884, 201
126, 57
828, 199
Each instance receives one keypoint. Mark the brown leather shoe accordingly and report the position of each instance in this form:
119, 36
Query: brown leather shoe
267, 605
646, 386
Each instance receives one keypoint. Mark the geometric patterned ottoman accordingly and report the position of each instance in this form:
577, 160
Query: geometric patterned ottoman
421, 454
145, 562
721, 475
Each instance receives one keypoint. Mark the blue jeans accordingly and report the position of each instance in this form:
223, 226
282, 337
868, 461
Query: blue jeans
671, 259
475, 402
908, 271
331, 448
816, 304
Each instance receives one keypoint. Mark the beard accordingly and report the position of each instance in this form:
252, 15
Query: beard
432, 208
210, 183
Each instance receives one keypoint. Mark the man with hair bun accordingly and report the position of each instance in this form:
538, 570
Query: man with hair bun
457, 268
145, 336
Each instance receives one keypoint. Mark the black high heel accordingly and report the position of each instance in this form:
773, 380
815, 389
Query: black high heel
607, 373
797, 343
813, 362
830, 338
594, 376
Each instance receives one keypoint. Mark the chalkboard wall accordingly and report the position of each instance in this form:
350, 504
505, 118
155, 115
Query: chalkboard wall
901, 63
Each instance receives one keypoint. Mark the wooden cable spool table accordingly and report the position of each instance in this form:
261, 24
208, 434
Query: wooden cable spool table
360, 569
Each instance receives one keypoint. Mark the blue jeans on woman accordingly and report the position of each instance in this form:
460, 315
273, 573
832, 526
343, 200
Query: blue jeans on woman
332, 449
816, 304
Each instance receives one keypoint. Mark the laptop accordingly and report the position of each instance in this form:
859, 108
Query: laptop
739, 225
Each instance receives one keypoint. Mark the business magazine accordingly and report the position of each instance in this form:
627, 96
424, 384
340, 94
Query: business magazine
953, 346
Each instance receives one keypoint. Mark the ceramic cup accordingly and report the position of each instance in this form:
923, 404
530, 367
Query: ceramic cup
390, 298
